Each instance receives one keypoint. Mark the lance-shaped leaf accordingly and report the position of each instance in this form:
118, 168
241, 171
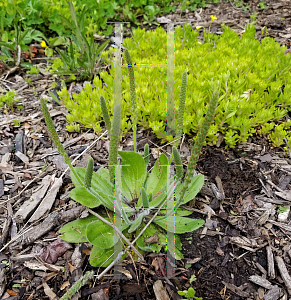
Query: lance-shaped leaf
75, 231
158, 177
181, 224
134, 173
137, 222
145, 199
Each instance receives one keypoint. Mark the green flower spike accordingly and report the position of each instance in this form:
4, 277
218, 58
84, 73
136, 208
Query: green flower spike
181, 111
55, 137
77, 285
132, 94
181, 107
203, 130
89, 173
105, 113
114, 141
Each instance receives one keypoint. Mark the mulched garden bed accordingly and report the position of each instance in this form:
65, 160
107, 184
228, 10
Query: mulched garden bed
244, 250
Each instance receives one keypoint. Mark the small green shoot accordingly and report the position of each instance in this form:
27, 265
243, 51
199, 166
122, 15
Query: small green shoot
190, 294
282, 209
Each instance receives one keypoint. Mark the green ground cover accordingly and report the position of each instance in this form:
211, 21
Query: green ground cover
253, 95
48, 16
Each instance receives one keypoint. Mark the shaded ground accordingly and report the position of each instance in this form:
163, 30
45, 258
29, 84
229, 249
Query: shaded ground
239, 201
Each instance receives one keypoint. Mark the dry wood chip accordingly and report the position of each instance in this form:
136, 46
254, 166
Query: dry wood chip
285, 195
3, 279
22, 258
36, 265
160, 291
6, 225
243, 241
47, 290
260, 281
236, 289
261, 268
270, 259
282, 225
28, 206
265, 216
284, 273
47, 203
100, 295
273, 294
37, 231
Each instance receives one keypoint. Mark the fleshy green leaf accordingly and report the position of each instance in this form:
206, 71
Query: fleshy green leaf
75, 232
100, 234
182, 224
158, 177
133, 173
81, 195
99, 256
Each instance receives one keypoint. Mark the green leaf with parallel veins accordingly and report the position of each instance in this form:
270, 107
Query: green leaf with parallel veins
81, 195
158, 177
100, 234
137, 222
194, 186
75, 232
99, 256
100, 191
179, 212
145, 199
133, 173
100, 179
182, 224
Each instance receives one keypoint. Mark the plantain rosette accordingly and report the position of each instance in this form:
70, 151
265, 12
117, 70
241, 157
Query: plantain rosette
142, 194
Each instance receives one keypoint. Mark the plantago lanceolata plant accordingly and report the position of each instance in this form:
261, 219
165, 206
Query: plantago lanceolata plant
144, 194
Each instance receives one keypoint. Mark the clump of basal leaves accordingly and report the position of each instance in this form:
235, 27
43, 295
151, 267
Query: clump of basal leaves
81, 60
143, 193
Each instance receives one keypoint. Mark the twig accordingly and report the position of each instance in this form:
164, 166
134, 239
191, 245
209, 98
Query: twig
118, 231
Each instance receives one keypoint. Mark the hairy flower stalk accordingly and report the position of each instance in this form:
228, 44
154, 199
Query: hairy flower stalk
55, 137
77, 285
132, 94
105, 113
113, 148
146, 154
203, 130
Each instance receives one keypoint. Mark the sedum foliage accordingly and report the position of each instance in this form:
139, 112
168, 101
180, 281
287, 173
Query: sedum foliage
252, 92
